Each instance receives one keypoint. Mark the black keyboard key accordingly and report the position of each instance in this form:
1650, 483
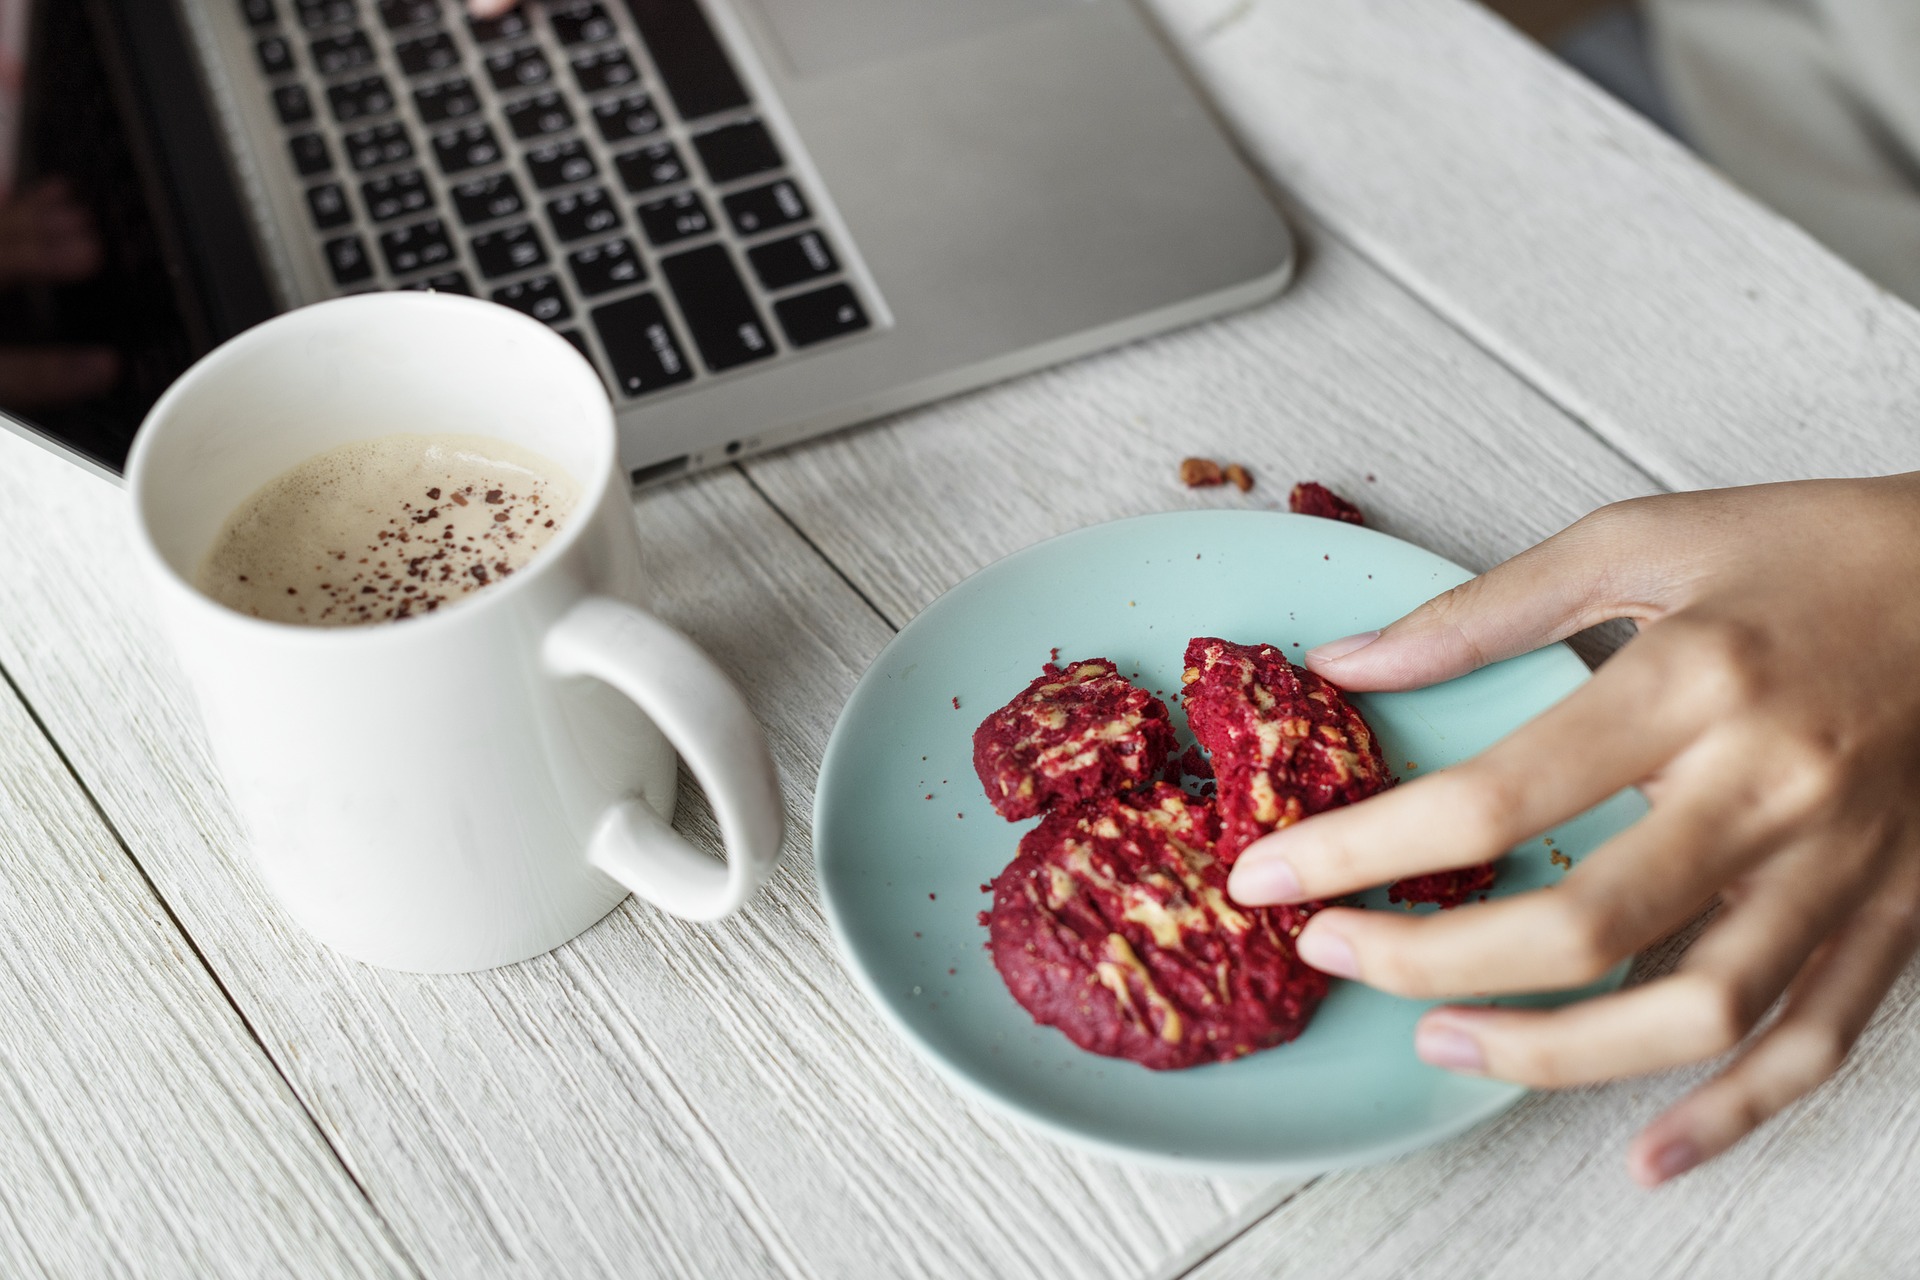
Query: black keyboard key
416, 248
258, 13
402, 14
381, 144
357, 99
428, 54
679, 217
347, 259
328, 205
640, 345
538, 116
688, 56
586, 213
396, 195
579, 343
518, 69
450, 101
825, 313
337, 55
582, 24
276, 56
445, 282
606, 267
315, 14
310, 154
630, 117
541, 297
763, 208
484, 199
656, 166
559, 163
292, 104
459, 150
725, 324
737, 150
507, 26
780, 263
501, 253
609, 69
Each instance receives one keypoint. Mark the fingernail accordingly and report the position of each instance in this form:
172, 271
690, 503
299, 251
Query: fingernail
1675, 1159
1329, 953
1441, 1044
1333, 650
1259, 881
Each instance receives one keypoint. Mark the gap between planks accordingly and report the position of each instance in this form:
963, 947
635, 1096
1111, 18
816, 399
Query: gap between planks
166, 908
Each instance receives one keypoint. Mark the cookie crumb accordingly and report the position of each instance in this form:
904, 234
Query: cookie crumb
1310, 498
1239, 477
1201, 473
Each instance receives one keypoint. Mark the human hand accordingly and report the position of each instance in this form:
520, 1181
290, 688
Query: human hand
489, 8
48, 238
1770, 712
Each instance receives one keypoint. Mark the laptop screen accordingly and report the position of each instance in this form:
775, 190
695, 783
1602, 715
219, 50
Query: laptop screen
84, 350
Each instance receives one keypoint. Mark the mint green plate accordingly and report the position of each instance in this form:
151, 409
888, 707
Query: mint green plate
905, 838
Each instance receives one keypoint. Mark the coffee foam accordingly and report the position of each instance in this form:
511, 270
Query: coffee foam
386, 529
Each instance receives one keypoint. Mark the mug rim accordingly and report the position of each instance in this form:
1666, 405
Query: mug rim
594, 488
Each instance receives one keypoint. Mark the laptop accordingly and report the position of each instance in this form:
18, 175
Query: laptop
759, 219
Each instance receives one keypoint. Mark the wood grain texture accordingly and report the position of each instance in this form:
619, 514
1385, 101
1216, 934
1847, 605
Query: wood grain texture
1826, 1189
1711, 340
656, 1098
142, 1130
1345, 379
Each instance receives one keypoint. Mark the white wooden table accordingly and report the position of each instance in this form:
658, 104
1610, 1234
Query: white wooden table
1518, 302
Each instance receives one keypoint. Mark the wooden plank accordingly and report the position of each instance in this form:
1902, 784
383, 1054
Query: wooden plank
655, 1097
142, 1130
1825, 1189
1346, 380
1710, 339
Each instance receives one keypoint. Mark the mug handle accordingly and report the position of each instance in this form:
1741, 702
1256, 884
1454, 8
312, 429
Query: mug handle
703, 715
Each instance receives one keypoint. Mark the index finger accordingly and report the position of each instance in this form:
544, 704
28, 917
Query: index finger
1600, 739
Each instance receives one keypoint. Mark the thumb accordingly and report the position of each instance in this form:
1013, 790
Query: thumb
1580, 577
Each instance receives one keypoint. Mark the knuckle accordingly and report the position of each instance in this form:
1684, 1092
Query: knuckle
1535, 1063
1581, 944
1613, 519
1717, 1015
1450, 614
1809, 773
1485, 803
1817, 1053
1392, 969
1727, 662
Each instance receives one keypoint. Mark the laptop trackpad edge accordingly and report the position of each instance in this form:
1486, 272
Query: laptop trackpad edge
820, 37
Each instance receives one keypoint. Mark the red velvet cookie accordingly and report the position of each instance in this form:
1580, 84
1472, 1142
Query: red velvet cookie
1445, 888
1114, 925
1076, 732
1285, 744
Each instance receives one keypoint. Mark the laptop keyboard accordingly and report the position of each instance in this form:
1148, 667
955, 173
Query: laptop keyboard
599, 166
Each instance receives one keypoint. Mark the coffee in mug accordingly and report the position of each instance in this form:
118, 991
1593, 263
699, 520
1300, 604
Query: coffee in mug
386, 529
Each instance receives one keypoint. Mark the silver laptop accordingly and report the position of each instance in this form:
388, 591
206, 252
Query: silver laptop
759, 219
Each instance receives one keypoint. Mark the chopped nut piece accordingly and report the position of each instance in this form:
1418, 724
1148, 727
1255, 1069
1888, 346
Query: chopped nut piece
1201, 473
1242, 478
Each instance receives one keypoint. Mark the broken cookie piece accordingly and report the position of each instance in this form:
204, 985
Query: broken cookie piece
1285, 743
1076, 731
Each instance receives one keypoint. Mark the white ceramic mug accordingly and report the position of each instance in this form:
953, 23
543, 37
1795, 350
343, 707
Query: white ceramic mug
474, 786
